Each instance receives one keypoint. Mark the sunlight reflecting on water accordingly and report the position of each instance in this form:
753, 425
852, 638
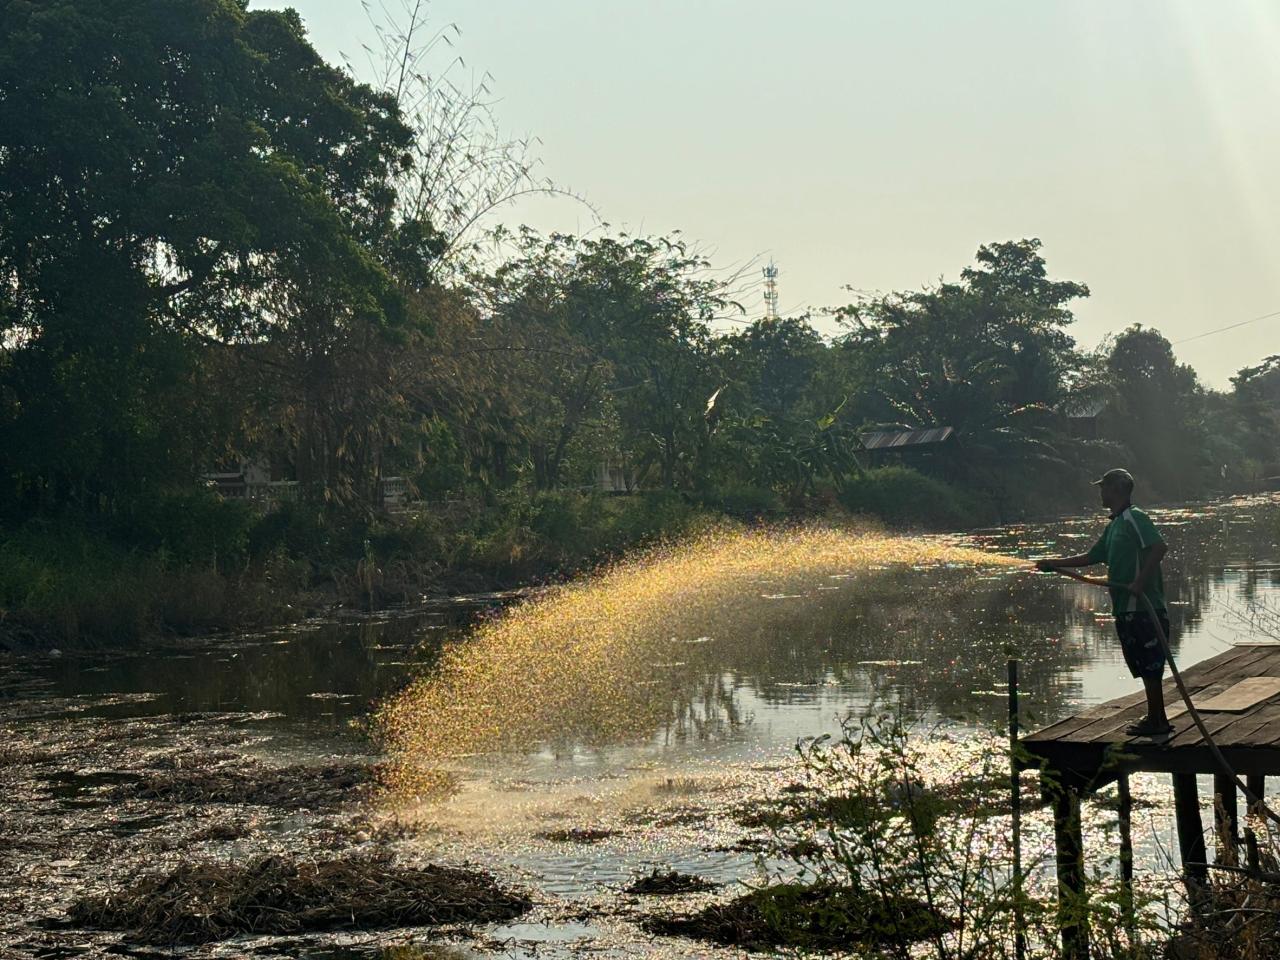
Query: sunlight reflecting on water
600, 660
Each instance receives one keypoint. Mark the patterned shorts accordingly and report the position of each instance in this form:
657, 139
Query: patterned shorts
1143, 654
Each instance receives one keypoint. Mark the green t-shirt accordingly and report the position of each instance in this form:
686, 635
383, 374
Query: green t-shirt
1124, 546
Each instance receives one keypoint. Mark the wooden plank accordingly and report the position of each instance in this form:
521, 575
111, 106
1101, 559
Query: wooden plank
1229, 655
1124, 813
1102, 731
1267, 737
1117, 735
1110, 729
1073, 920
1179, 706
1246, 662
1062, 729
1200, 760
1258, 787
1226, 816
1274, 661
1191, 736
1079, 761
1242, 695
1263, 724
1103, 724
1100, 711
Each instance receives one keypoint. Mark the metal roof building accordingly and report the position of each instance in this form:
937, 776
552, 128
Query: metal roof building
902, 439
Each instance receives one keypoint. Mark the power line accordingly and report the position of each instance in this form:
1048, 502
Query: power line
1233, 326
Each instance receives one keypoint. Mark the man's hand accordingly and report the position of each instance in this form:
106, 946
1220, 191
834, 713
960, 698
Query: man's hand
1046, 564
1137, 587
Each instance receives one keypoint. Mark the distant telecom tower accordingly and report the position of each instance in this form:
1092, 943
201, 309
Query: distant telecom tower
770, 291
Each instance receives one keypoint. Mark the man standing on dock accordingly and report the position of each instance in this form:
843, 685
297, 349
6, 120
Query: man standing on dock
1132, 549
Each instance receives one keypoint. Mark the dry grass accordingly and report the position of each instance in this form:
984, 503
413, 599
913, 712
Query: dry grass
222, 832
1232, 918
23, 755
202, 902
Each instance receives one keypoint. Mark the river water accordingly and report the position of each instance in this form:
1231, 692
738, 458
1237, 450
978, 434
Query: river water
574, 817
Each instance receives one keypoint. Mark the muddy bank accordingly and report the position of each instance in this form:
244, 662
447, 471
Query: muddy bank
127, 834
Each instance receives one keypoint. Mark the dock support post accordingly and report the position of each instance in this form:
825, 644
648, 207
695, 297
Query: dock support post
1015, 809
1073, 919
1186, 806
1126, 856
1226, 817
1257, 785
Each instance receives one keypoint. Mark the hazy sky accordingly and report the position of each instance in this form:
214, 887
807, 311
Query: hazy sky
878, 144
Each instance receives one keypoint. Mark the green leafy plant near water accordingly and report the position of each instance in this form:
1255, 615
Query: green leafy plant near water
883, 844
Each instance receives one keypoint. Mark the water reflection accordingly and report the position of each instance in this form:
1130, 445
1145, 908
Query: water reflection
936, 641
318, 676
774, 660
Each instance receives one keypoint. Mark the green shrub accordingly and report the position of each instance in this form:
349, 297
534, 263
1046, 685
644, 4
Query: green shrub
70, 582
886, 814
904, 497
566, 521
744, 502
197, 527
66, 583
646, 517
298, 529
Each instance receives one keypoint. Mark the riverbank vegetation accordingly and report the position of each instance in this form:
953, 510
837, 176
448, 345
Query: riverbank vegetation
889, 841
221, 256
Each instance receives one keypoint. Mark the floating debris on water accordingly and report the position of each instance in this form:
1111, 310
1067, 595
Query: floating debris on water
201, 902
889, 663
665, 883
808, 917
587, 835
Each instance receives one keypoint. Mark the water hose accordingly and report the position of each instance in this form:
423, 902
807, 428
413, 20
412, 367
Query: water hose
1254, 802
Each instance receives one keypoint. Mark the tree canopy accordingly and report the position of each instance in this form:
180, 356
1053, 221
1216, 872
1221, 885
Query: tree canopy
214, 244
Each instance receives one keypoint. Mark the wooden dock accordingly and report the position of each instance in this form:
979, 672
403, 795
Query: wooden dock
1237, 694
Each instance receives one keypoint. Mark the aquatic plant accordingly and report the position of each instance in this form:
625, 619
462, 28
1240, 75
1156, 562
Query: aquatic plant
919, 832
809, 917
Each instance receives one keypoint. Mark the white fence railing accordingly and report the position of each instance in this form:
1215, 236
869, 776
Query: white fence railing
395, 490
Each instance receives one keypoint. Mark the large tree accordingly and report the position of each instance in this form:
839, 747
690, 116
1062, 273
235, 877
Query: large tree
1256, 403
782, 425
175, 176
1158, 412
989, 356
611, 329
